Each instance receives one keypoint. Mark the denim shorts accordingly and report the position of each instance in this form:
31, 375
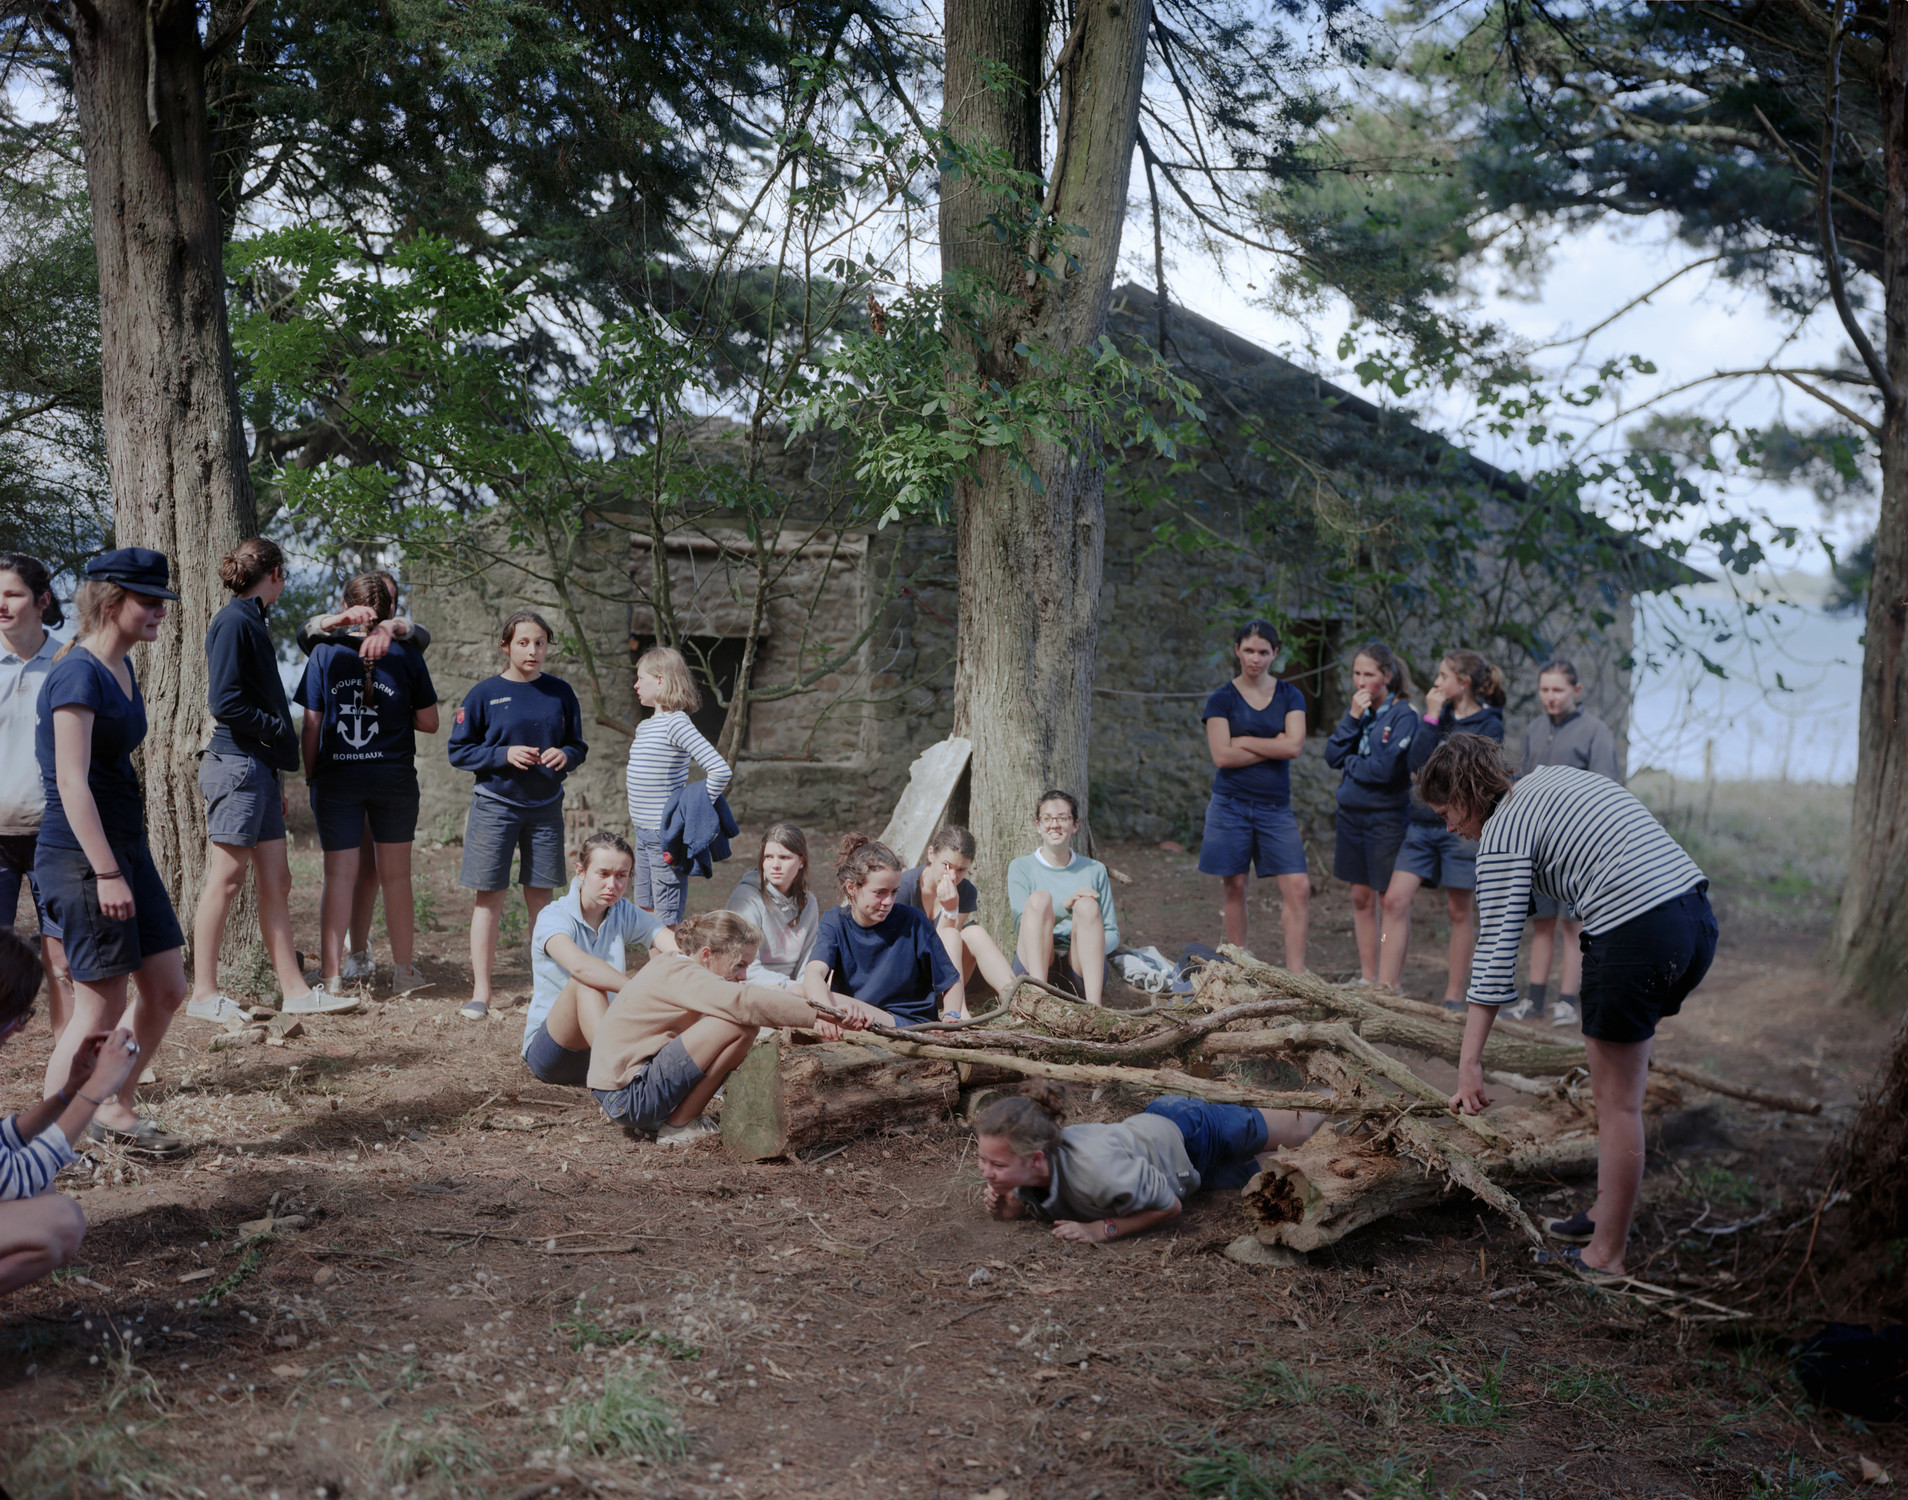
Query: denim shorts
1241, 834
386, 796
646, 1102
1438, 857
1543, 908
495, 830
551, 1062
656, 885
98, 948
1221, 1139
1367, 845
1636, 974
243, 807
16, 866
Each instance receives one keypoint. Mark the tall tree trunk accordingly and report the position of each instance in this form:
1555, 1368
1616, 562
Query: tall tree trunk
174, 441
1030, 551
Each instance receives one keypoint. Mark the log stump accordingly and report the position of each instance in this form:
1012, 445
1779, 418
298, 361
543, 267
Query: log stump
787, 1097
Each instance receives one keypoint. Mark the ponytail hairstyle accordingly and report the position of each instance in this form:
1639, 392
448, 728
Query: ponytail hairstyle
379, 591
955, 839
1029, 1121
725, 933
1563, 666
1397, 676
795, 841
1265, 630
524, 617
857, 857
252, 559
1486, 681
96, 602
19, 973
602, 839
680, 693
1467, 773
33, 573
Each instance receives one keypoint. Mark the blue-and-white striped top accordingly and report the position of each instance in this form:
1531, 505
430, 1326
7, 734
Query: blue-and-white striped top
659, 759
1577, 837
27, 1168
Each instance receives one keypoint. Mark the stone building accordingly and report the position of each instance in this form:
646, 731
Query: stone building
865, 617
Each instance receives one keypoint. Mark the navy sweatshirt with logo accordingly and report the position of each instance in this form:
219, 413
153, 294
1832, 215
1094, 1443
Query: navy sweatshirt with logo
1487, 721
1372, 753
499, 713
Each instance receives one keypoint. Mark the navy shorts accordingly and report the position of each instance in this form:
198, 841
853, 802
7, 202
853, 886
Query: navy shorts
646, 1102
243, 804
1438, 857
16, 866
1241, 835
1367, 845
1636, 974
496, 830
1221, 1139
656, 885
96, 947
343, 801
551, 1062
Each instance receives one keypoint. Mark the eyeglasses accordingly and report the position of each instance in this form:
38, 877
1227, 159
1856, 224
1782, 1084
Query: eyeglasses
1060, 822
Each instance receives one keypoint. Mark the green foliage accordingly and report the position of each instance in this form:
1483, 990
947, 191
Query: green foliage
433, 1450
1459, 1405
1221, 1471
629, 1418
1797, 1480
102, 1451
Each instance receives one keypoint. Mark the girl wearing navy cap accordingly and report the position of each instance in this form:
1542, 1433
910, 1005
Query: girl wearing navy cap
94, 870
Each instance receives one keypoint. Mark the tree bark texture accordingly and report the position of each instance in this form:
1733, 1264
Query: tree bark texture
1870, 942
787, 1098
1030, 545
174, 440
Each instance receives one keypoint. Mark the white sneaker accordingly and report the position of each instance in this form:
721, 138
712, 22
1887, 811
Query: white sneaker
359, 966
698, 1129
1564, 1013
321, 1002
407, 977
1524, 1010
219, 1008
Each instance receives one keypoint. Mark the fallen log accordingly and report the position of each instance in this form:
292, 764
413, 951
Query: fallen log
1177, 1038
784, 1098
1792, 1103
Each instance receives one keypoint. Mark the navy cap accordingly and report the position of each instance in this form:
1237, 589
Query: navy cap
139, 569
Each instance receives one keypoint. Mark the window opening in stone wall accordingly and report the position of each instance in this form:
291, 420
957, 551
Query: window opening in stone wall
715, 661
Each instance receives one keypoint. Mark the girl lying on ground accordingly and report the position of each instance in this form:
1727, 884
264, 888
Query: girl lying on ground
775, 897
1648, 939
579, 956
940, 889
685, 1022
41, 1230
878, 949
1104, 1182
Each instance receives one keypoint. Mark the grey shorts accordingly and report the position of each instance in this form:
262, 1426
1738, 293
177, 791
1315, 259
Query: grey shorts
656, 885
243, 807
1543, 908
496, 830
646, 1102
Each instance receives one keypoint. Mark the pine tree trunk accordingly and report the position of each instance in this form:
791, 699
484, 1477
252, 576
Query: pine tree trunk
174, 440
1030, 551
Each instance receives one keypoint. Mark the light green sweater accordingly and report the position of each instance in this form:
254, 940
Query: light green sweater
1031, 873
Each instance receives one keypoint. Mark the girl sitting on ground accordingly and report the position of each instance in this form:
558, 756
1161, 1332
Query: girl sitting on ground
1369, 746
878, 949
1105, 1182
776, 898
686, 1021
940, 889
41, 1230
579, 955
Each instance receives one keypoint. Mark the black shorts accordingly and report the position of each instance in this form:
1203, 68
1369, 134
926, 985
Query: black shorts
96, 947
1366, 849
1636, 974
343, 801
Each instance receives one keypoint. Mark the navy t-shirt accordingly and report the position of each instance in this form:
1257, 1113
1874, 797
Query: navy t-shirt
81, 680
356, 734
898, 964
1265, 780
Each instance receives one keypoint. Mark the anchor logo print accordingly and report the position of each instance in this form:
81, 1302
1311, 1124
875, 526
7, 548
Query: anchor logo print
357, 720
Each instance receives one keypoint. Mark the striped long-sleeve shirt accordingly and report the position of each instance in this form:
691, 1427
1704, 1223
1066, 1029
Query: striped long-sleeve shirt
27, 1168
1576, 837
659, 759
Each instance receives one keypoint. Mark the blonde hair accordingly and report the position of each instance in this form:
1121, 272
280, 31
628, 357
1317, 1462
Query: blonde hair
725, 933
1029, 1121
680, 693
95, 602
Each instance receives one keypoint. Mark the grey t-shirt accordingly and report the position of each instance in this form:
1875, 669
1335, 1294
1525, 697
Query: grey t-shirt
787, 934
1110, 1171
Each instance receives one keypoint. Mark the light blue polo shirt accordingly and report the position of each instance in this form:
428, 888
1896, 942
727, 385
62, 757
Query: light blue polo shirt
625, 925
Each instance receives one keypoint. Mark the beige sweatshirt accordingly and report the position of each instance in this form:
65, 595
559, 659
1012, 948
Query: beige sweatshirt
664, 998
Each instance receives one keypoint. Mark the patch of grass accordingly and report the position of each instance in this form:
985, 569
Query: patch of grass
1460, 1406
584, 1331
433, 1451
1799, 1481
1275, 1381
511, 930
424, 903
1720, 1185
99, 1453
1586, 1385
1399, 1479
233, 1279
1222, 1471
630, 1418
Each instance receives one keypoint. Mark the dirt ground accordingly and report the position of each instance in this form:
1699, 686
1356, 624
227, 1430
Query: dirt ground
498, 1295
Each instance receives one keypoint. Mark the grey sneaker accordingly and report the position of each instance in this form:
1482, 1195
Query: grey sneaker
219, 1008
1564, 1013
359, 966
1525, 1010
699, 1129
321, 1002
406, 978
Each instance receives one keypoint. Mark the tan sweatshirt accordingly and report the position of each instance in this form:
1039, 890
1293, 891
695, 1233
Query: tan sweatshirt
664, 998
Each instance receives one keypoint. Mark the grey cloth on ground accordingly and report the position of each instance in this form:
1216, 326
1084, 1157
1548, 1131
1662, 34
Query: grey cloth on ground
1145, 969
1110, 1171
787, 935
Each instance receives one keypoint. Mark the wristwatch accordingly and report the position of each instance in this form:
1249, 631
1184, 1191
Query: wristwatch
1112, 1229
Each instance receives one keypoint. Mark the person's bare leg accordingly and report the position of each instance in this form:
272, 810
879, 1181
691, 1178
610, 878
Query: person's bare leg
1461, 908
1290, 1127
955, 948
400, 915
160, 987
984, 953
1365, 929
96, 1007
37, 1237
1233, 914
717, 1047
334, 911
1035, 946
1543, 939
225, 867
1394, 940
1570, 939
575, 1015
486, 912
1295, 917
364, 894
271, 868
1086, 949
59, 983
1618, 1071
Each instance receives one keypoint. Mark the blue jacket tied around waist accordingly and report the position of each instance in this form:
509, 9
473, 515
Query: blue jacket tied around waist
695, 831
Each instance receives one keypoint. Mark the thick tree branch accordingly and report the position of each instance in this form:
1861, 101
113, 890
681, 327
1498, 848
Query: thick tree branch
1825, 219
